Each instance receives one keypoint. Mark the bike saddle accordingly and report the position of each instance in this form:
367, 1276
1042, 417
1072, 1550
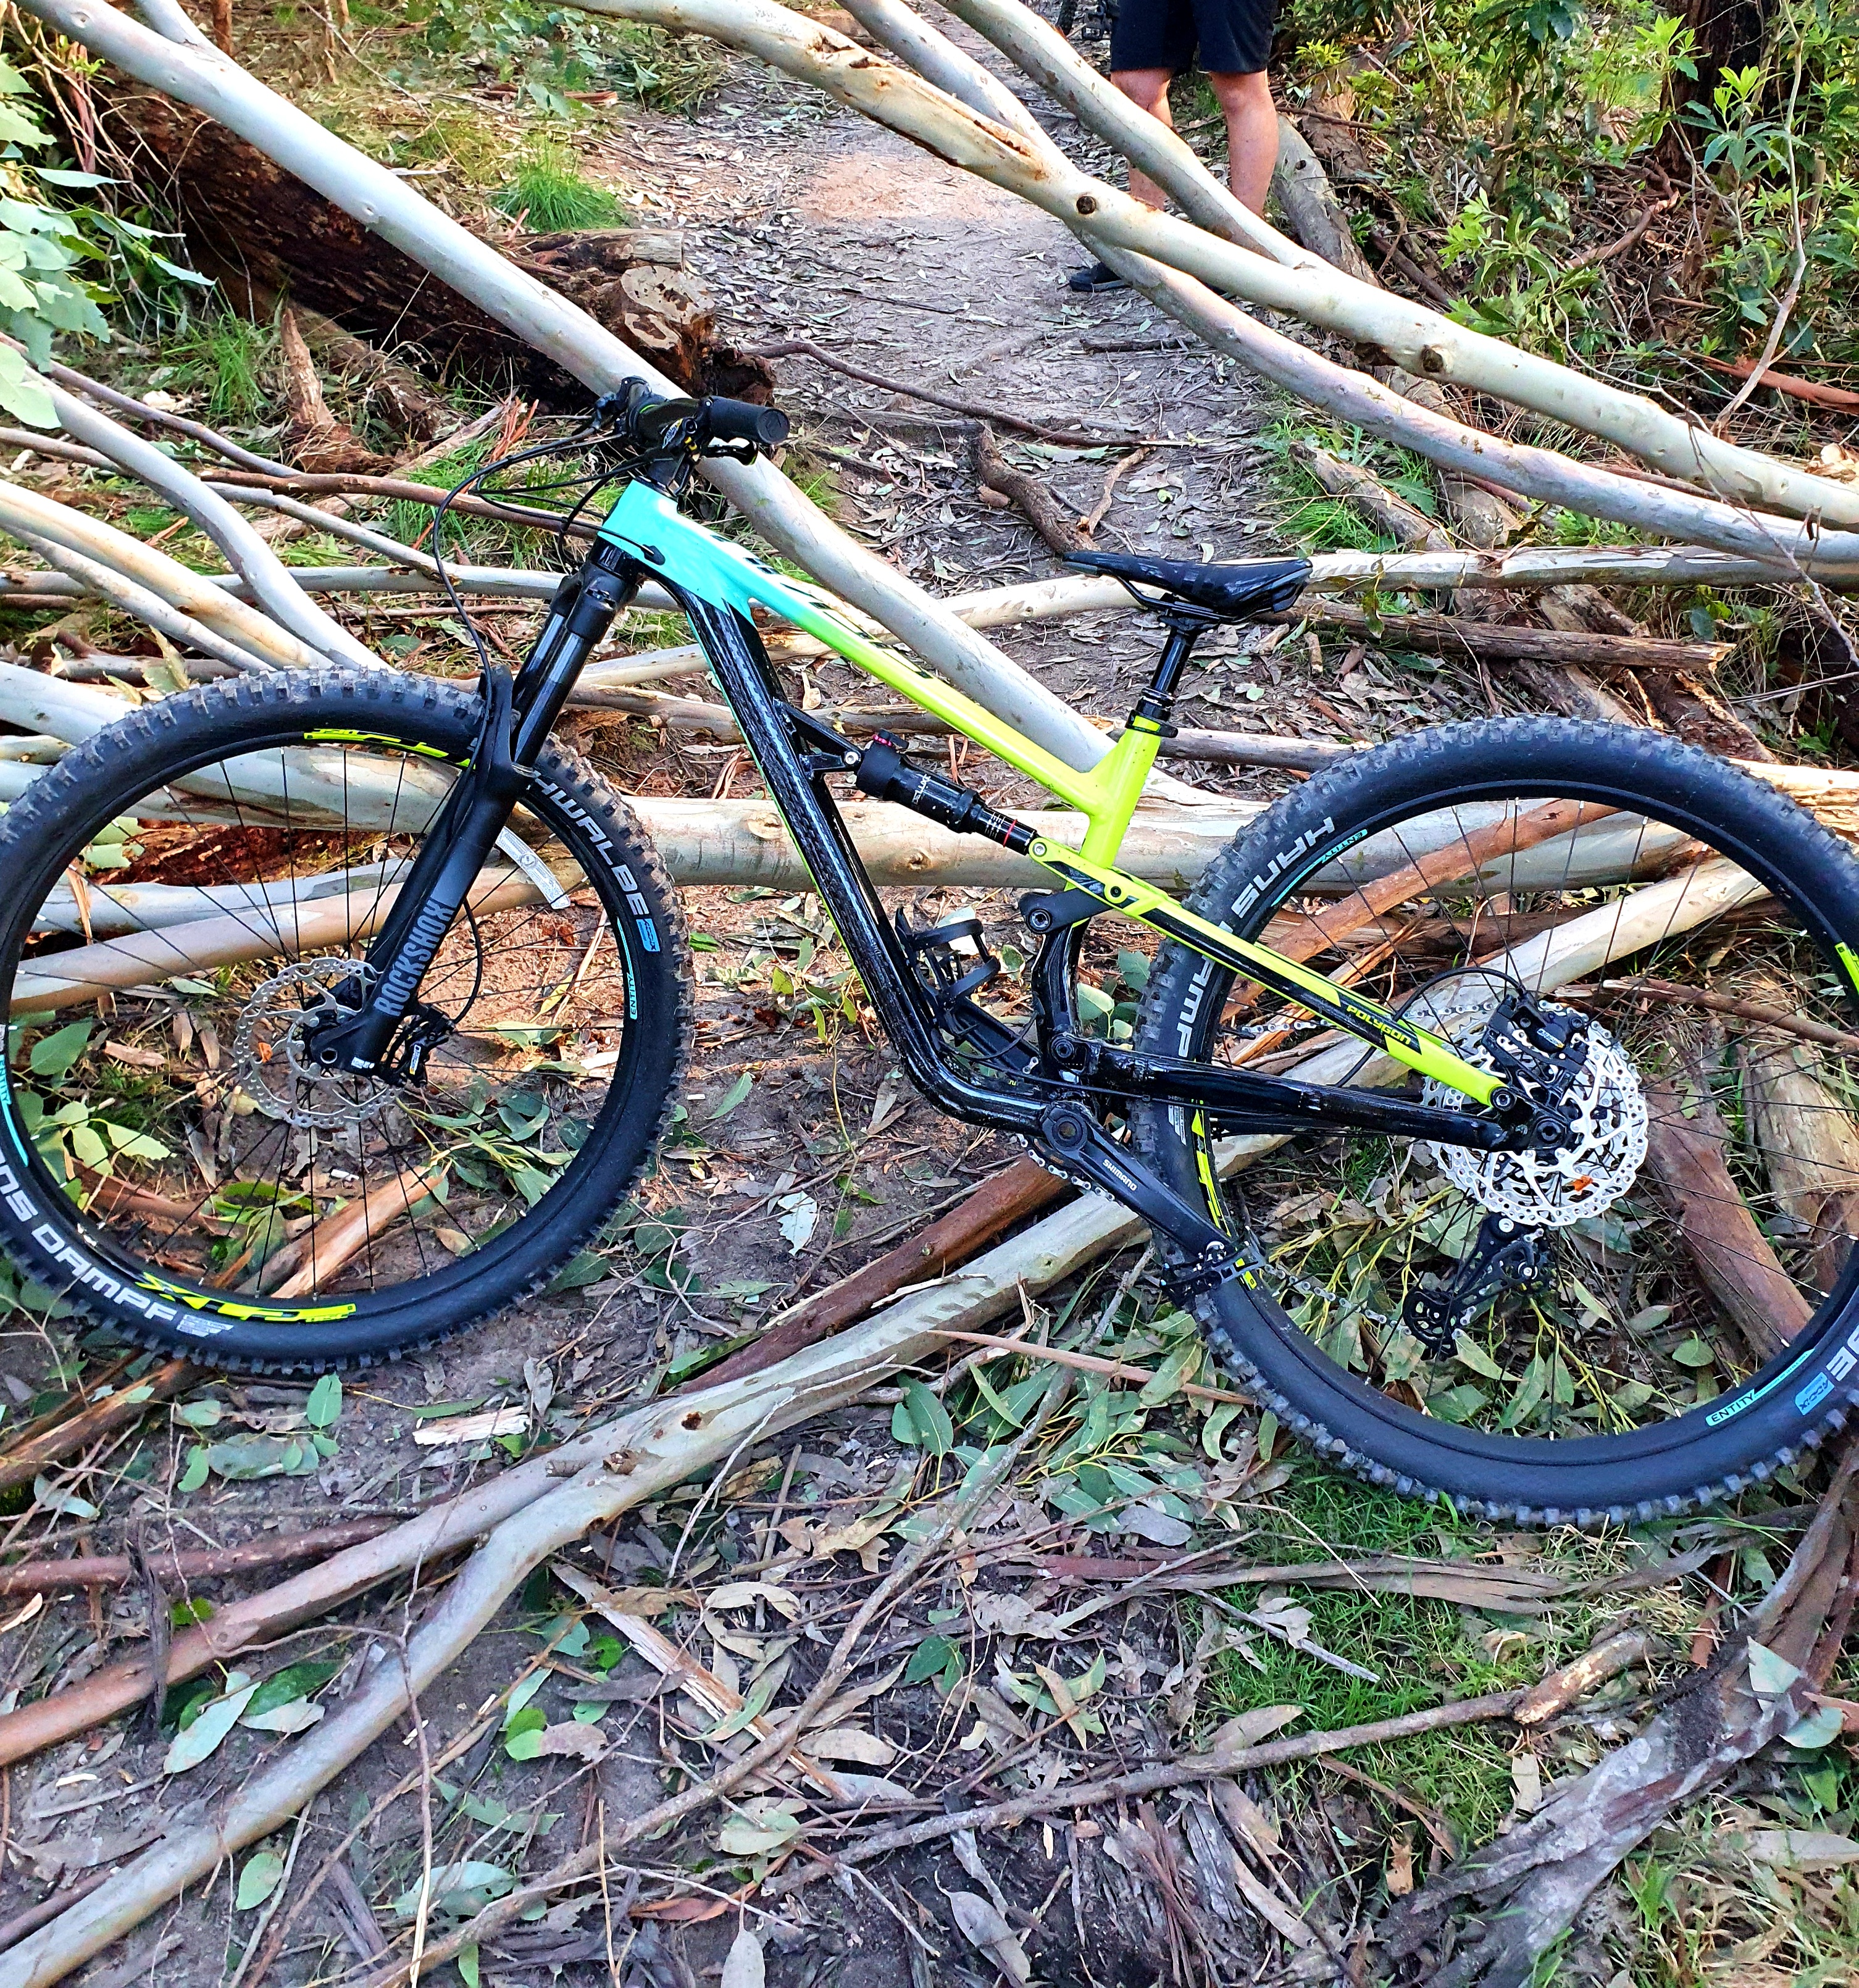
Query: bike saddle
1246, 587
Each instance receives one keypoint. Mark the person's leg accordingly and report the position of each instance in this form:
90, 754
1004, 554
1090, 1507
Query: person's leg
1150, 40
1148, 89
1252, 135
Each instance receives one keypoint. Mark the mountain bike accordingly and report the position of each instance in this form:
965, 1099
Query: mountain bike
1490, 1100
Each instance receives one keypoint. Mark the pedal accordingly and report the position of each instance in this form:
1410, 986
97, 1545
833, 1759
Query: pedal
1504, 1255
931, 950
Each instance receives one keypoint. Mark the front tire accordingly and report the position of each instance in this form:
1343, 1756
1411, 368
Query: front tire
1638, 1382
183, 891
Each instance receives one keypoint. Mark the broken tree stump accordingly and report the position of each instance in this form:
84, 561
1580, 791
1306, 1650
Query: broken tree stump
264, 234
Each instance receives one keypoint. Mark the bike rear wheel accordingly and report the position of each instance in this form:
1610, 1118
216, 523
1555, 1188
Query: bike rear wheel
185, 891
1691, 1322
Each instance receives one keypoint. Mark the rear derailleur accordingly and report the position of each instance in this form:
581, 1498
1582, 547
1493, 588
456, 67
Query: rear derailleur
1504, 1255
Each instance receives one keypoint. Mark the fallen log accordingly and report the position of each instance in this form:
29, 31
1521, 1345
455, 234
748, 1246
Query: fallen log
27, 513
245, 551
153, 612
1279, 275
264, 234
1310, 207
1406, 524
1685, 1143
741, 841
1504, 641
717, 721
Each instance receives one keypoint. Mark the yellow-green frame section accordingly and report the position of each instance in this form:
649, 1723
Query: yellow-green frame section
647, 523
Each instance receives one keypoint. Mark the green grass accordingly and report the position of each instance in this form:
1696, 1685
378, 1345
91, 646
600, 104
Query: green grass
226, 358
552, 196
1420, 1650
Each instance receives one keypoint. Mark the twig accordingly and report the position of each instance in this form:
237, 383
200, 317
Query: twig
1815, 392
116, 1570
24, 1461
1396, 257
1152, 1780
1430, 1820
1448, 635
981, 411
15, 1929
1095, 516
1561, 1689
463, 1744
272, 1903
1089, 1363
127, 404
1589, 258
1725, 1004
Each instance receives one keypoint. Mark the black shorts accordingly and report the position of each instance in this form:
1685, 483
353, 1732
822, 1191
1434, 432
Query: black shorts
1233, 36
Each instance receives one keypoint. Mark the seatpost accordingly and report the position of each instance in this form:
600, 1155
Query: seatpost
1158, 701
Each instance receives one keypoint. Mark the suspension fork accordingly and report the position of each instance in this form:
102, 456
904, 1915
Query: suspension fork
518, 715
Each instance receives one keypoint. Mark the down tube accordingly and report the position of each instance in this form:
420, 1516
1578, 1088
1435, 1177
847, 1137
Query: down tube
742, 667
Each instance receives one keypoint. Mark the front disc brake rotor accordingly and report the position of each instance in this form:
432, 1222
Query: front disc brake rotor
269, 1053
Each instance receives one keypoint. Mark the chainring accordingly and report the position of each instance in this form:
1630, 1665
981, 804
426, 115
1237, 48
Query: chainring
268, 1054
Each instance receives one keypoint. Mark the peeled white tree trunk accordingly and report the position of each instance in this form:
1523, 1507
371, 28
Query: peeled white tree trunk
1782, 546
258, 565
30, 511
195, 74
1421, 340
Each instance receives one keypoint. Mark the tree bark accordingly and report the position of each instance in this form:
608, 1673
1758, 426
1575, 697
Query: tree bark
1035, 503
1310, 207
264, 233
1406, 524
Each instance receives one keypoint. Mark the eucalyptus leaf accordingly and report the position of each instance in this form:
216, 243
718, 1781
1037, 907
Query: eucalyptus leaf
258, 1880
202, 1739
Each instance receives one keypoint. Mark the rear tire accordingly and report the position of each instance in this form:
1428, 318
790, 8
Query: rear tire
1337, 1394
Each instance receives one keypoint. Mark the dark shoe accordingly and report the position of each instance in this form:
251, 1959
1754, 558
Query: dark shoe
1099, 276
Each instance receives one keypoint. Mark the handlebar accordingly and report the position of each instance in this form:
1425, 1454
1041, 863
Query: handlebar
711, 426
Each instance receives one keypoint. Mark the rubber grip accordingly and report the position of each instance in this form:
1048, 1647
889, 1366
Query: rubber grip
742, 420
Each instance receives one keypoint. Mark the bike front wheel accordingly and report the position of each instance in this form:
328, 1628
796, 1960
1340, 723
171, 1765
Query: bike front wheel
1672, 1311
195, 887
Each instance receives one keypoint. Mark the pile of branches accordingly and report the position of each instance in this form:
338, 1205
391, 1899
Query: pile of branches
1739, 516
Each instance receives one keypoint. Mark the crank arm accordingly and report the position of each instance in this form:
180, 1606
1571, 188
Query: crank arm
1084, 1152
